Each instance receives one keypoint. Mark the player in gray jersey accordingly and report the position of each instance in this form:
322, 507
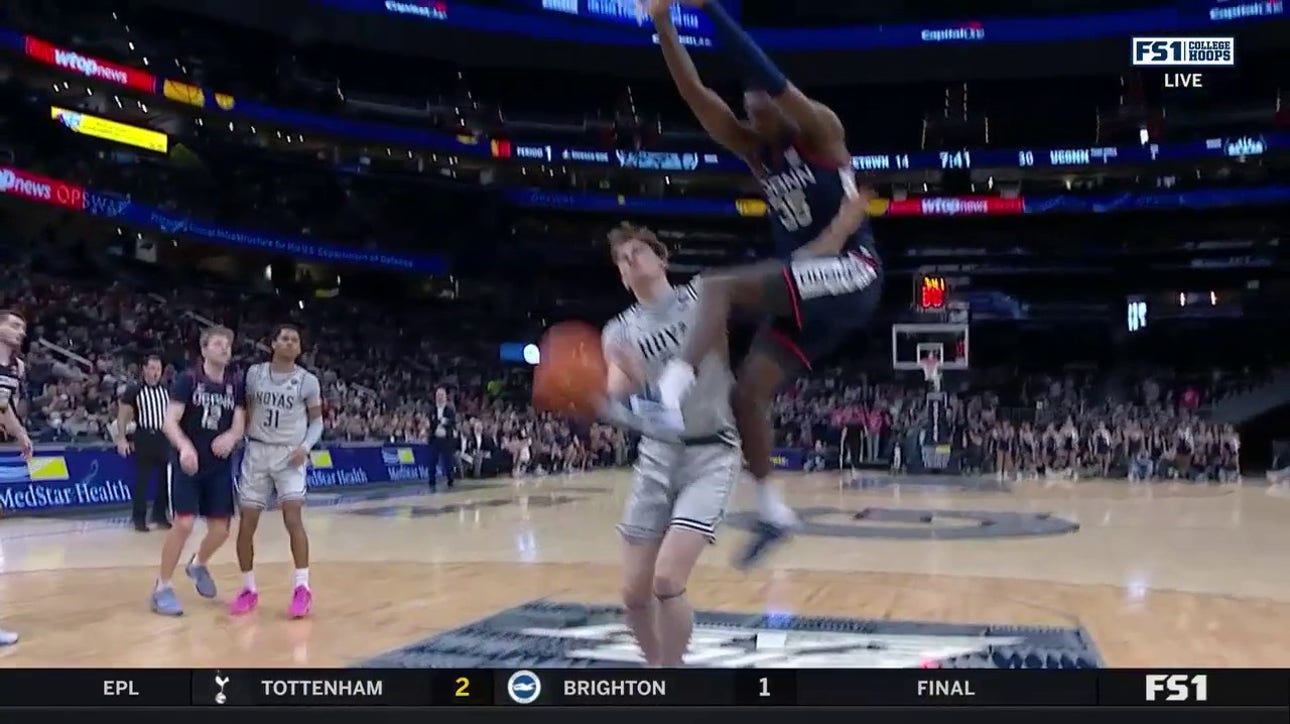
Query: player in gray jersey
681, 485
13, 329
284, 413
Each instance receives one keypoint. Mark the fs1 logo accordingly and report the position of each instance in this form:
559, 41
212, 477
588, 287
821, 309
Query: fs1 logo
1177, 687
1160, 52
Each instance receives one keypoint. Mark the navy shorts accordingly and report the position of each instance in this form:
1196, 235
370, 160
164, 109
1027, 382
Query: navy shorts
828, 299
207, 493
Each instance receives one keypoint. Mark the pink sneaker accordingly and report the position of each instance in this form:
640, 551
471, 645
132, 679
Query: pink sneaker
302, 602
245, 603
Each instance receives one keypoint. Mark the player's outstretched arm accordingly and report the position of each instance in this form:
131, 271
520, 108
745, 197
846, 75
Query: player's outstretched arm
714, 114
818, 123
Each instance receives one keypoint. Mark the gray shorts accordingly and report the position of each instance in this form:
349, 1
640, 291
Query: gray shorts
681, 486
265, 473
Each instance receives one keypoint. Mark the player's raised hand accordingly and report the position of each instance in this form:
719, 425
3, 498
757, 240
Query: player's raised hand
657, 9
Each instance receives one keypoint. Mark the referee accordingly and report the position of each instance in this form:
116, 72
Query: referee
145, 406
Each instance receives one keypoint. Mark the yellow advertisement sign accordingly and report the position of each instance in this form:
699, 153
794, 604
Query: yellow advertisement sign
750, 207
184, 93
111, 130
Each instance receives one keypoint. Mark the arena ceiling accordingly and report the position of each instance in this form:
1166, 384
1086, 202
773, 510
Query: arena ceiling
801, 13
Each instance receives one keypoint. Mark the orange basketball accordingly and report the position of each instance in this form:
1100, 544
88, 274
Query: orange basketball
571, 372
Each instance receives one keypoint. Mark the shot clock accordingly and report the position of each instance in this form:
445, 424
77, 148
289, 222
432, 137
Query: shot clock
931, 292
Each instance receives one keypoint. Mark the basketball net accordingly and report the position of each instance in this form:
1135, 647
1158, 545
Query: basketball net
931, 372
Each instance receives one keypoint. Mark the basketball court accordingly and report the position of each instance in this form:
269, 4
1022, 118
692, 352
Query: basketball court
890, 571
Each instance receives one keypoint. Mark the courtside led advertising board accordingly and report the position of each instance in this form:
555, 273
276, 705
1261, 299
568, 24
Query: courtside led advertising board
1166, 52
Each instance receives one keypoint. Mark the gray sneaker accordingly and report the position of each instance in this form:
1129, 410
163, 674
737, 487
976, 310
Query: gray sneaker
201, 578
8, 638
165, 602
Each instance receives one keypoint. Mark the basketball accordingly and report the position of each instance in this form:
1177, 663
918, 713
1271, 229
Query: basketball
571, 371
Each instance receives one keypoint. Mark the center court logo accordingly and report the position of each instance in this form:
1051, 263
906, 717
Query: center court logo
547, 634
524, 687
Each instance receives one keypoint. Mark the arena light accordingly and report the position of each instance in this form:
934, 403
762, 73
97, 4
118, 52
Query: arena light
107, 130
531, 354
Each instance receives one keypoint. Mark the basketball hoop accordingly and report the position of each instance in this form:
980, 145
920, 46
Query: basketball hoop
931, 371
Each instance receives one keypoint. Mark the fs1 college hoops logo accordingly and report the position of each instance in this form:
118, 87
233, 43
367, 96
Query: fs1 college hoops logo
1176, 52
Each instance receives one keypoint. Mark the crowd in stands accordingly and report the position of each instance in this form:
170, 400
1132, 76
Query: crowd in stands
379, 373
1064, 426
379, 365
378, 368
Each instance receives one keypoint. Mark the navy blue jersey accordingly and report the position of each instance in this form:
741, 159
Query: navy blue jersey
804, 195
208, 405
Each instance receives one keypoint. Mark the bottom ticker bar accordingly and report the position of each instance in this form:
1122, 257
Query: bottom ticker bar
592, 687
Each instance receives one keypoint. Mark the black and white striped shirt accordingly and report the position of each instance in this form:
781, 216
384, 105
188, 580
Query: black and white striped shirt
149, 403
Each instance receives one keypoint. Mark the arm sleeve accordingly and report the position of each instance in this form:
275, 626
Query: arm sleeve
311, 391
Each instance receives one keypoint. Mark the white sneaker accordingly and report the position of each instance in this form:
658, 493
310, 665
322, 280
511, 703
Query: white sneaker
8, 638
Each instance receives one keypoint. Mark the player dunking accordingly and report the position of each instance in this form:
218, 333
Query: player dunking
205, 423
681, 485
827, 278
284, 413
13, 328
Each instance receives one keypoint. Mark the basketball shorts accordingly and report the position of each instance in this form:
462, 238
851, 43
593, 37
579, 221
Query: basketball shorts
680, 485
828, 299
266, 473
207, 493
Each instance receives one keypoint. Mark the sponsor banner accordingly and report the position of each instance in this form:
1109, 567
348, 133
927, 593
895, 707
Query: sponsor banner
194, 96
788, 459
567, 23
86, 477
17, 182
130, 212
108, 130
88, 66
957, 206
38, 188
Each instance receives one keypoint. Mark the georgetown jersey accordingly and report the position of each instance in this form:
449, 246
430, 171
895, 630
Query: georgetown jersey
208, 406
658, 331
280, 403
11, 375
804, 197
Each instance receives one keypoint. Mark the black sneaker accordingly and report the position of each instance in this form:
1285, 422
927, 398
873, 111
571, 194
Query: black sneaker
141, 526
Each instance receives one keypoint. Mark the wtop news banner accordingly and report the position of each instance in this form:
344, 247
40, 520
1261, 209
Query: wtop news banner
68, 688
